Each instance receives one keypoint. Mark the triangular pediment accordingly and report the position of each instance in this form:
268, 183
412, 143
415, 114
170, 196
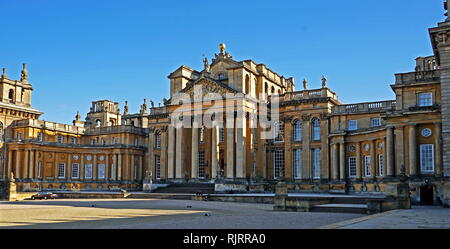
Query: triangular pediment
208, 85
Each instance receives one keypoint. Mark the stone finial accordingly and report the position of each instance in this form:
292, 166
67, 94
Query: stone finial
78, 117
305, 84
222, 47
206, 66
324, 81
24, 74
4, 76
125, 108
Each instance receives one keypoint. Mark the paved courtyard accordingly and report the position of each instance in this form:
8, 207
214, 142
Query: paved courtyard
161, 214
182, 214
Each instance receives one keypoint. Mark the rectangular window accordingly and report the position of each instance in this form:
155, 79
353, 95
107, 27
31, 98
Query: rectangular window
427, 158
61, 170
425, 99
101, 171
75, 170
380, 165
19, 136
158, 167
40, 137
201, 164
221, 135
279, 132
135, 172
74, 140
316, 163
297, 164
352, 167
115, 140
352, 125
278, 162
88, 171
60, 139
157, 141
375, 122
367, 166
39, 169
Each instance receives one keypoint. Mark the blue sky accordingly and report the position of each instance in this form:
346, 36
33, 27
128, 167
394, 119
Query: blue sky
83, 50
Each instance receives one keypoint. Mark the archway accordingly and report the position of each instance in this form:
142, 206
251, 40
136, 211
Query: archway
426, 195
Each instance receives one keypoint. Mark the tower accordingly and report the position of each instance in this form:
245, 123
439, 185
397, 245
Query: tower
103, 113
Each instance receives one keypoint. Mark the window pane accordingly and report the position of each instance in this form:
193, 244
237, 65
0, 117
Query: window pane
278, 164
316, 163
352, 166
297, 163
427, 158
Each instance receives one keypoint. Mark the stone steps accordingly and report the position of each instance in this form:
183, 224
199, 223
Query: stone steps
187, 188
341, 208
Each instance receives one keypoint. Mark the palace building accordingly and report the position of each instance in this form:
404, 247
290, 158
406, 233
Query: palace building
318, 144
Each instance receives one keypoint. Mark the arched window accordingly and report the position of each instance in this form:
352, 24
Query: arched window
98, 123
157, 140
1, 131
279, 92
272, 90
279, 132
11, 95
297, 130
315, 129
247, 84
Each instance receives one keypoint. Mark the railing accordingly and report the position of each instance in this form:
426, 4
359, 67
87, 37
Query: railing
159, 110
49, 125
415, 77
379, 106
308, 94
115, 129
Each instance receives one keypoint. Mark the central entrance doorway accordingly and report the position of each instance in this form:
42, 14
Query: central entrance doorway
427, 195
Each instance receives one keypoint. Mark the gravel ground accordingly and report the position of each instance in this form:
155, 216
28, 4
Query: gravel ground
157, 214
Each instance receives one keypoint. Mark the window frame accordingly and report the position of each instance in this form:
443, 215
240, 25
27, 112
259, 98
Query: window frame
367, 166
77, 167
297, 161
352, 125
316, 163
352, 167
420, 99
61, 170
423, 169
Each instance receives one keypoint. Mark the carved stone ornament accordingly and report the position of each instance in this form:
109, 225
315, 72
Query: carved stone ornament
306, 117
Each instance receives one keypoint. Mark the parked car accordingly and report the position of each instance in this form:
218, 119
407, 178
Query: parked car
44, 195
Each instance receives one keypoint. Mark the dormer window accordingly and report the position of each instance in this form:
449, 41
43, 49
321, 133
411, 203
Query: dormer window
221, 76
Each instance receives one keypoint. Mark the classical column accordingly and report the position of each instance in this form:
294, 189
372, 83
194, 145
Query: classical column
230, 152
94, 168
81, 166
133, 168
373, 161
412, 150
214, 150
334, 161
241, 131
10, 161
438, 142
306, 148
68, 174
18, 174
119, 166
342, 161
107, 167
179, 154
358, 161
171, 153
31, 165
163, 157
140, 168
399, 149
390, 151
194, 151
25, 165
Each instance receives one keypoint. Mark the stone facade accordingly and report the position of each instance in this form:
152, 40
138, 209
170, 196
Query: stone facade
319, 144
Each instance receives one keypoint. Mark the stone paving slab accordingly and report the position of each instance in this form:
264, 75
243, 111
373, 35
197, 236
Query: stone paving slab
416, 218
